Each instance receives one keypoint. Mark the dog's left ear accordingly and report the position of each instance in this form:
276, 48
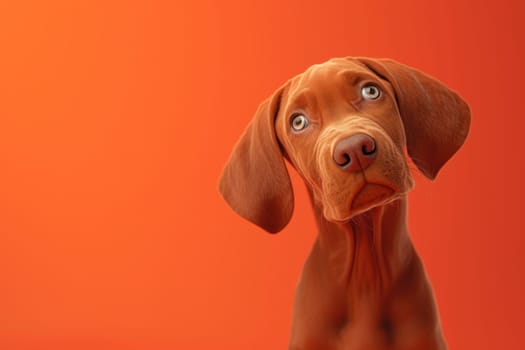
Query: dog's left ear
436, 119
255, 182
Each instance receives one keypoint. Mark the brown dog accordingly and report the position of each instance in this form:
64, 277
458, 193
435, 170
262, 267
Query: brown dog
344, 126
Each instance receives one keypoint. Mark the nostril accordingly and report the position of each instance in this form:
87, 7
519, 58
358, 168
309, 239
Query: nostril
369, 147
343, 160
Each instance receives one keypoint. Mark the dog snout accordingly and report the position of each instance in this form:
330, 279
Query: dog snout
355, 153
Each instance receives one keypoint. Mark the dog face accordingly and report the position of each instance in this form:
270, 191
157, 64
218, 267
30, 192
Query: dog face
345, 126
322, 111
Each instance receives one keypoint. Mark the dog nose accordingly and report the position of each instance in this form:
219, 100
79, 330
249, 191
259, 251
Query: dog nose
355, 153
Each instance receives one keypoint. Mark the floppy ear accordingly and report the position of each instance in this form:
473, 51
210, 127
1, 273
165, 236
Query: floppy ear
436, 119
255, 182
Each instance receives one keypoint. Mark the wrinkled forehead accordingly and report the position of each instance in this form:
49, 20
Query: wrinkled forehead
329, 86
327, 75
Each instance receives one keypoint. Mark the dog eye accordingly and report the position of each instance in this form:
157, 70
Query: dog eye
299, 122
370, 92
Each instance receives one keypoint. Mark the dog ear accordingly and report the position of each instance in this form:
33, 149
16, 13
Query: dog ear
436, 119
255, 182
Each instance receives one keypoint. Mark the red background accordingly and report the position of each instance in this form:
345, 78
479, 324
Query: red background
117, 117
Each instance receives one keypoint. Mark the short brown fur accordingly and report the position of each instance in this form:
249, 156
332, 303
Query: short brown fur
363, 285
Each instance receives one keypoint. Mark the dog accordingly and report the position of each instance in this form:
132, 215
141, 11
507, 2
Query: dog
349, 126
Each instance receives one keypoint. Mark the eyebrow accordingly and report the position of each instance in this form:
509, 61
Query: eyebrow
353, 77
304, 98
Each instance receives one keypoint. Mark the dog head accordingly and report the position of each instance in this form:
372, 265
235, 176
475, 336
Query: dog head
344, 125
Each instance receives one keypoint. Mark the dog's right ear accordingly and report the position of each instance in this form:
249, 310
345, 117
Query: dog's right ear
255, 182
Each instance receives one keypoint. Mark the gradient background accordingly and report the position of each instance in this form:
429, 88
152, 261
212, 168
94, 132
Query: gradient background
117, 117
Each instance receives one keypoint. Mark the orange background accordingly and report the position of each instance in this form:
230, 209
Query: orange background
117, 117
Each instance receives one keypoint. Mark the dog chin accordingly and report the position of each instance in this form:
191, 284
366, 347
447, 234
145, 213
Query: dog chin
369, 196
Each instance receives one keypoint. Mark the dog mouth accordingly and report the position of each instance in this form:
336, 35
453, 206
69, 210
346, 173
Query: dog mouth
369, 195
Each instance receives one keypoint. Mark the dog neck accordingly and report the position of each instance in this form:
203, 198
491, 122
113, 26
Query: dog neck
370, 253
